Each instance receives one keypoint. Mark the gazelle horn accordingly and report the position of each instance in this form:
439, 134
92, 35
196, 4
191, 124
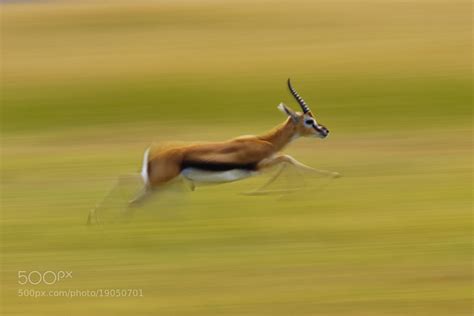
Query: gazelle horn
300, 100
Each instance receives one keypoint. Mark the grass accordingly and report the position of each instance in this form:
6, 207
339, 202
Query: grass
86, 87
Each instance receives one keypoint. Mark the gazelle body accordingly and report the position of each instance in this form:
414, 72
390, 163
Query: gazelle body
231, 160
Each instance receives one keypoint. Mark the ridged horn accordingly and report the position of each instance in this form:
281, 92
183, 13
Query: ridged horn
300, 100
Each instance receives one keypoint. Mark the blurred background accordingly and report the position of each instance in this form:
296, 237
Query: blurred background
88, 85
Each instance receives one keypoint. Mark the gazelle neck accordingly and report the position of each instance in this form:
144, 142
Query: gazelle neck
281, 135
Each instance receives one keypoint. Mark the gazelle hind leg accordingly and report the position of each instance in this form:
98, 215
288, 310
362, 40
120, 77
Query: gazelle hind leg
140, 197
143, 194
94, 216
161, 172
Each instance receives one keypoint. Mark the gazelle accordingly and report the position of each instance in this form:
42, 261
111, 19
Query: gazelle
231, 160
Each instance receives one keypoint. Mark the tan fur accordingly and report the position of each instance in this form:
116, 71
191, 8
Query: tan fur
165, 161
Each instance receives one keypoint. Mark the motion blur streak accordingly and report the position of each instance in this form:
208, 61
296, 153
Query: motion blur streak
87, 85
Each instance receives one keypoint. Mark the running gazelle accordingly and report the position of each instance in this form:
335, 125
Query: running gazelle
234, 159
230, 160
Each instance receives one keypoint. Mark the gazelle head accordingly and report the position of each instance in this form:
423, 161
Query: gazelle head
305, 122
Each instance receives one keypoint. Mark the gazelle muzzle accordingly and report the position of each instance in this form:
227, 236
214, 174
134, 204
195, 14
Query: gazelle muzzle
323, 131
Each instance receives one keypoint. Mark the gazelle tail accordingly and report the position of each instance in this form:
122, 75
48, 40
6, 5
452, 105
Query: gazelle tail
144, 172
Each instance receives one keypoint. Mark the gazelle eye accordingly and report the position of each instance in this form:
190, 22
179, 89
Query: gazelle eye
309, 122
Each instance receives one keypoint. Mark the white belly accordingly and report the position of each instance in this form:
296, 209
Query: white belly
205, 176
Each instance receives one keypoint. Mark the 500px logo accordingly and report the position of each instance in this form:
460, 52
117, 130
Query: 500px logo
42, 277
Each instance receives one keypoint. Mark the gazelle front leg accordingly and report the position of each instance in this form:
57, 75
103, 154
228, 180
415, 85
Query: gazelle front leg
284, 161
270, 162
302, 166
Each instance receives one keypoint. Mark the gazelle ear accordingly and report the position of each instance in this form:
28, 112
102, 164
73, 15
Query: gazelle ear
283, 108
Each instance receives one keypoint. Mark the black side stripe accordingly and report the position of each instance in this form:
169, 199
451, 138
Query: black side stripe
218, 166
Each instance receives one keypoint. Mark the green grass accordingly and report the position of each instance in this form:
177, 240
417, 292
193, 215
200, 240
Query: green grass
85, 88
346, 104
